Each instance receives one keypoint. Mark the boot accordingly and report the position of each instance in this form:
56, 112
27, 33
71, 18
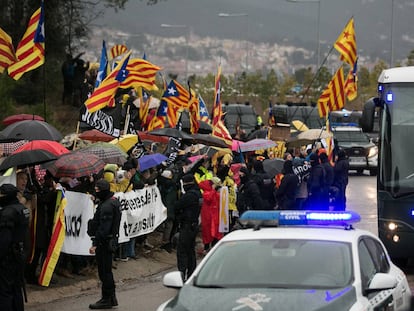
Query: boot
104, 303
114, 301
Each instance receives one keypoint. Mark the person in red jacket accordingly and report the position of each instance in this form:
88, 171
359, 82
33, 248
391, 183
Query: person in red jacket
210, 212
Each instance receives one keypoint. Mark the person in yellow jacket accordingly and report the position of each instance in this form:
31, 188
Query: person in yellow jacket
202, 172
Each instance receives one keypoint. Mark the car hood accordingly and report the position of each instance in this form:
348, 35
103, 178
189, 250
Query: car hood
245, 299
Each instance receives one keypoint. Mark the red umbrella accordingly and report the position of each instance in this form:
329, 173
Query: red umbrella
95, 135
154, 138
48, 145
20, 117
75, 164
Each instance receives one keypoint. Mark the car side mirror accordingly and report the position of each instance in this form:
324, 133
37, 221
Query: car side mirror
381, 281
173, 280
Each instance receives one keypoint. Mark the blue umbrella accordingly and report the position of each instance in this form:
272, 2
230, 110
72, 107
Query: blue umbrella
150, 160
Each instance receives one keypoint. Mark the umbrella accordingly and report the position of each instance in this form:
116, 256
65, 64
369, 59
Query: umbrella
125, 142
11, 147
257, 144
208, 140
31, 130
152, 138
150, 160
299, 125
262, 133
273, 166
236, 145
76, 164
109, 153
170, 132
48, 145
307, 137
314, 134
20, 117
95, 135
27, 158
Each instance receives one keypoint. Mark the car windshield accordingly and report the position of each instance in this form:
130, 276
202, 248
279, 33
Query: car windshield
351, 136
278, 264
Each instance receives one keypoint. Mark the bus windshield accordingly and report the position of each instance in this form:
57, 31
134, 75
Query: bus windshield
397, 130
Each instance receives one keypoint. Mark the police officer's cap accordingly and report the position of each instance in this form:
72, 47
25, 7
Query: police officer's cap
8, 190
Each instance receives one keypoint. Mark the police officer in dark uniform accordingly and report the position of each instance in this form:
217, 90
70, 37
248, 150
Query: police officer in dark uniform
14, 224
101, 229
187, 211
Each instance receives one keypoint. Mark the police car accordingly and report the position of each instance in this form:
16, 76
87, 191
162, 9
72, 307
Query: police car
293, 260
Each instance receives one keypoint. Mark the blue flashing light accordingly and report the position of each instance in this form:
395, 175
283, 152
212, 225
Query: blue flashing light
412, 212
380, 88
389, 97
299, 218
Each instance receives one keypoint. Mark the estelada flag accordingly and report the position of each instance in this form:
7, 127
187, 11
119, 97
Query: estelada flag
346, 43
30, 52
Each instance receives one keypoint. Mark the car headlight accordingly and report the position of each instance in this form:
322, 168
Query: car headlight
373, 151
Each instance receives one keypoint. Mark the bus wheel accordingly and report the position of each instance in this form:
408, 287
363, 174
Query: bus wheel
373, 172
360, 171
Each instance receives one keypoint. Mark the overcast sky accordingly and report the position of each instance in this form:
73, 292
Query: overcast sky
278, 21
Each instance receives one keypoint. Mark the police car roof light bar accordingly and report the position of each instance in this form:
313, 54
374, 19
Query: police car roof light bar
299, 218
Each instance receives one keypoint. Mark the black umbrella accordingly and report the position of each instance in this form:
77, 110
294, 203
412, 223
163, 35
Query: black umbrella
273, 166
208, 140
262, 133
171, 132
30, 130
27, 158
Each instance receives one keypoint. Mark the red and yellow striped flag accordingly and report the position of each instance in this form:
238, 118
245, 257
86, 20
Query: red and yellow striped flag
30, 52
56, 241
351, 87
144, 103
177, 98
333, 97
346, 43
142, 73
103, 95
118, 50
7, 56
193, 106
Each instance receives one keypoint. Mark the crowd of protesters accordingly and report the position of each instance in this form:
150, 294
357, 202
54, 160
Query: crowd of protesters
190, 190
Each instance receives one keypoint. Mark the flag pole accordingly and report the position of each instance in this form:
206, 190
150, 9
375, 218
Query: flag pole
76, 137
127, 118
